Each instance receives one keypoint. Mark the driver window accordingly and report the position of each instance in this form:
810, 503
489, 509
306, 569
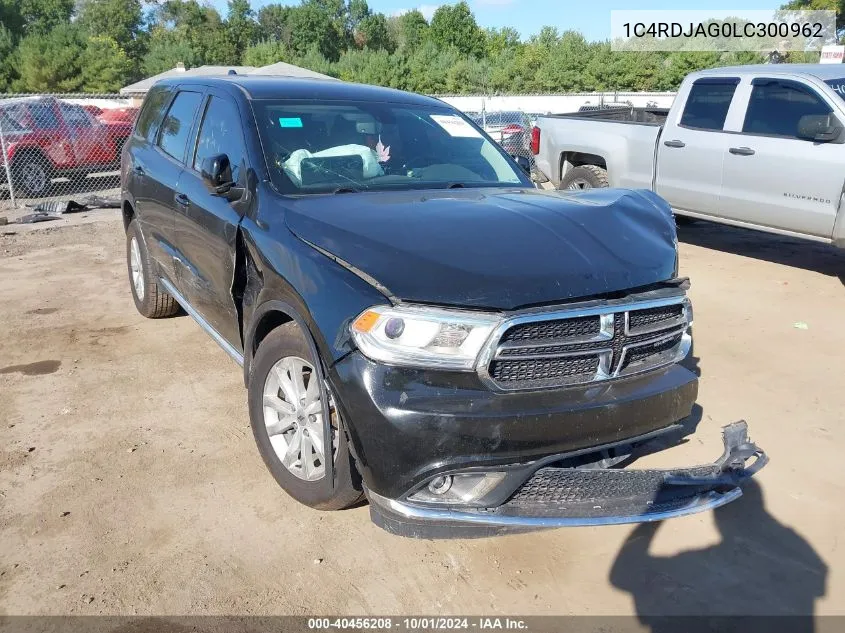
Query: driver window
776, 107
220, 134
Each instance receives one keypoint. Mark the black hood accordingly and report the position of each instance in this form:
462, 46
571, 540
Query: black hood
495, 248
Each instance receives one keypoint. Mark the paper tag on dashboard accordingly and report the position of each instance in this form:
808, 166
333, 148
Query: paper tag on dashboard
455, 125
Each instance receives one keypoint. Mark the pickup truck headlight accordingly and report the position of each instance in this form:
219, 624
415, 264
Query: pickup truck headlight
416, 336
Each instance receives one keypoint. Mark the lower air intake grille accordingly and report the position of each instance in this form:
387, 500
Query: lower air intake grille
541, 370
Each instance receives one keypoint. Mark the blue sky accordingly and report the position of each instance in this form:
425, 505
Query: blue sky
591, 17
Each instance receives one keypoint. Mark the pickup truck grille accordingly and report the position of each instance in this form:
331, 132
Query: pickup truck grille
582, 346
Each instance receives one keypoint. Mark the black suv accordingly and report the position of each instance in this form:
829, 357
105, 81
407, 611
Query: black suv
416, 322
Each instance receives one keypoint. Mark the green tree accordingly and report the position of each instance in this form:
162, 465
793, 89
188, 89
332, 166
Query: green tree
273, 22
27, 17
411, 30
820, 5
428, 68
454, 25
679, 64
500, 40
165, 51
105, 66
469, 75
120, 20
266, 53
201, 27
372, 32
313, 27
52, 62
241, 27
370, 66
316, 61
8, 61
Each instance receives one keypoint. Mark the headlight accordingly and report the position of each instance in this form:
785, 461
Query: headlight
423, 337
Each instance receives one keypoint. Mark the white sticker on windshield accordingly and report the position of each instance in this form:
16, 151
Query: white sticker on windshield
455, 125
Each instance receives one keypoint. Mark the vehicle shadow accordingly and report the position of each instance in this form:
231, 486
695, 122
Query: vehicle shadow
778, 249
760, 567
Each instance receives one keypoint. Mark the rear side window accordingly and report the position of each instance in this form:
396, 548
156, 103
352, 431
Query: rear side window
221, 134
708, 103
75, 116
776, 107
176, 127
43, 116
151, 113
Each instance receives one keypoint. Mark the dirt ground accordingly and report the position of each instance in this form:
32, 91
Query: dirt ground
130, 484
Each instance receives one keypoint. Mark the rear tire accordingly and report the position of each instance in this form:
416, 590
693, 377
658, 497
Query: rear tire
151, 300
584, 177
290, 411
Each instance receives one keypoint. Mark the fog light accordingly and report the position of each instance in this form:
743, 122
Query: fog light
464, 488
440, 485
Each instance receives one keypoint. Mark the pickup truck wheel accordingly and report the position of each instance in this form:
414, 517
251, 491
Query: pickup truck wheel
286, 414
584, 177
151, 300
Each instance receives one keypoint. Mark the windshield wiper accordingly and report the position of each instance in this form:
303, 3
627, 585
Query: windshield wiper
456, 185
346, 190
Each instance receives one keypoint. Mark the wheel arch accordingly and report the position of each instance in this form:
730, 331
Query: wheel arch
128, 211
267, 317
568, 160
19, 152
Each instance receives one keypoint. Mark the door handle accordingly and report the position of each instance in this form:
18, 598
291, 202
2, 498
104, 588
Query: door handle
674, 143
182, 200
741, 151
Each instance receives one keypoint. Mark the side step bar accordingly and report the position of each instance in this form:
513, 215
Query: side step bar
568, 497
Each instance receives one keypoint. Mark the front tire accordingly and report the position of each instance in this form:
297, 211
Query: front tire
286, 415
32, 175
151, 300
584, 177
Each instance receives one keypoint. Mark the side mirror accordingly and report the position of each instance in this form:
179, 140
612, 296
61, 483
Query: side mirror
523, 163
217, 174
821, 128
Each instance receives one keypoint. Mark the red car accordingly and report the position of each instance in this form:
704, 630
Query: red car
46, 138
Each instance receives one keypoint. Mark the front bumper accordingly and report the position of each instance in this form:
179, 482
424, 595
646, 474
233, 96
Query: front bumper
409, 425
566, 497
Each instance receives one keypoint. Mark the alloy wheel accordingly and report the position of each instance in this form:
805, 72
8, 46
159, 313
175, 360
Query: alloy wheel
579, 183
293, 417
137, 268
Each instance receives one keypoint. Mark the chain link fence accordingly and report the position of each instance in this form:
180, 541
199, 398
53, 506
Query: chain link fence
512, 130
60, 148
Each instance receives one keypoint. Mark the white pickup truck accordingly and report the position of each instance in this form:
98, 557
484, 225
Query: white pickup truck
761, 147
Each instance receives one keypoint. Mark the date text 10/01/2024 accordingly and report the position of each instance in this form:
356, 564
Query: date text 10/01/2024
415, 623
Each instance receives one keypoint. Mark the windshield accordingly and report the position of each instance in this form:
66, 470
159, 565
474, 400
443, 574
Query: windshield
367, 146
838, 85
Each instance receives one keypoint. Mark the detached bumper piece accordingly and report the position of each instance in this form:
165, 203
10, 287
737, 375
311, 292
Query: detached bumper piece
568, 497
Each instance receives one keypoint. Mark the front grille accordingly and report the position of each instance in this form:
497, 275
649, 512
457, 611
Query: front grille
562, 328
568, 348
651, 317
